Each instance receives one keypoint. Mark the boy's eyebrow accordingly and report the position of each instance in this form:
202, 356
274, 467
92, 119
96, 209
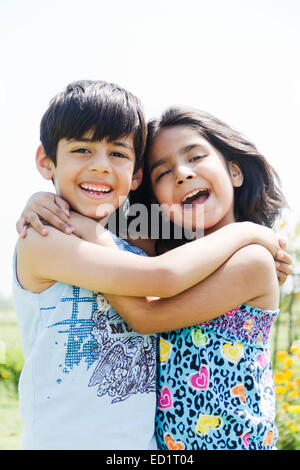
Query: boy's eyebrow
123, 144
115, 142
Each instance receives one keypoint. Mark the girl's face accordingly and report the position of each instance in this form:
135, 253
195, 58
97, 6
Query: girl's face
192, 179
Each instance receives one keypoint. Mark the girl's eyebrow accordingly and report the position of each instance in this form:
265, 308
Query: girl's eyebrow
154, 165
185, 149
190, 147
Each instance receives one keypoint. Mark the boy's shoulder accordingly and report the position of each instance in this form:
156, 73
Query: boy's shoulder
33, 254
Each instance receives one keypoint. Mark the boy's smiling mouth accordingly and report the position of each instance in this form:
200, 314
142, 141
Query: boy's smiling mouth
96, 190
195, 197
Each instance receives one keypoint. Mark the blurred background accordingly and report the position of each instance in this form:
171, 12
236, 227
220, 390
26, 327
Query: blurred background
236, 59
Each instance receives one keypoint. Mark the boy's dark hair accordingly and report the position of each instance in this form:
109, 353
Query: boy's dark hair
107, 109
259, 199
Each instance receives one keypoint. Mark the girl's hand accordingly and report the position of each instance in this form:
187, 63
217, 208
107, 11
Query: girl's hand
45, 209
283, 260
90, 230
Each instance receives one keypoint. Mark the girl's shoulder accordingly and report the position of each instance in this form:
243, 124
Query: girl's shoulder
259, 264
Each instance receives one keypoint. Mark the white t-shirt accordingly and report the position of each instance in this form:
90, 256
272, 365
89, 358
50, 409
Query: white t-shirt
89, 380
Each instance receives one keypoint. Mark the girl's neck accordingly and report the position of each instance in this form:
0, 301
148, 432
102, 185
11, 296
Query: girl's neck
228, 219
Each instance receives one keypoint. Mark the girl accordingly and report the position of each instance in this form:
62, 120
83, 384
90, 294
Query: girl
215, 386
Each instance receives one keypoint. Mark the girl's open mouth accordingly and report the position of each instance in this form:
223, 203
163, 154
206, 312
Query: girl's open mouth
194, 198
95, 191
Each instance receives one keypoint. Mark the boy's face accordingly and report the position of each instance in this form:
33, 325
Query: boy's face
94, 177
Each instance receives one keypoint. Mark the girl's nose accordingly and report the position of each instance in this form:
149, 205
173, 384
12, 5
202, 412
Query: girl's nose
183, 175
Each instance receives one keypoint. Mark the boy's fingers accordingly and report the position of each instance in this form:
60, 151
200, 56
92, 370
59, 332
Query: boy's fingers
282, 243
284, 268
284, 257
281, 278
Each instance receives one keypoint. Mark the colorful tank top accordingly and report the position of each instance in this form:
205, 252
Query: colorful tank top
215, 384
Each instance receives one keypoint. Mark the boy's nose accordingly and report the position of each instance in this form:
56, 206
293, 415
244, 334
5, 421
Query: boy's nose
184, 174
100, 163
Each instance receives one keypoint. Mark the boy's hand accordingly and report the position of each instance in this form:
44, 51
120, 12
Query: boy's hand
45, 209
283, 260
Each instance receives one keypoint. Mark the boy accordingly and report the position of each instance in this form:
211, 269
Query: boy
82, 362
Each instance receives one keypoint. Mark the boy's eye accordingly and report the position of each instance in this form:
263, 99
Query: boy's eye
81, 150
119, 155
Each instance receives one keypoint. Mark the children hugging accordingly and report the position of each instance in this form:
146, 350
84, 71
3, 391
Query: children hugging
93, 305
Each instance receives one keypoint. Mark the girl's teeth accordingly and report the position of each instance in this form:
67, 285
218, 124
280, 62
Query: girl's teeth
193, 193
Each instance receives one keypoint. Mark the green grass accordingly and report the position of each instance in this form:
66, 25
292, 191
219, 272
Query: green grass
11, 424
10, 421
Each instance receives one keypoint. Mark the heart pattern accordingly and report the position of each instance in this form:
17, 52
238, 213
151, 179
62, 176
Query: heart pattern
268, 440
207, 422
239, 391
173, 445
165, 399
199, 339
232, 352
263, 359
165, 349
199, 381
245, 439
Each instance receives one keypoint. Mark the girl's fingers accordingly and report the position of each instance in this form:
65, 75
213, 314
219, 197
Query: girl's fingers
53, 208
63, 205
52, 219
36, 223
21, 227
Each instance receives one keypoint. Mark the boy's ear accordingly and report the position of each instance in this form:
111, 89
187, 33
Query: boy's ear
44, 164
137, 179
236, 174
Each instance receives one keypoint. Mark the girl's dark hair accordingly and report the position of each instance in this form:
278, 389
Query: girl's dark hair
259, 199
105, 108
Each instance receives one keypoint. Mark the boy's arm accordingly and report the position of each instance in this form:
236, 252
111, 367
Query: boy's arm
249, 276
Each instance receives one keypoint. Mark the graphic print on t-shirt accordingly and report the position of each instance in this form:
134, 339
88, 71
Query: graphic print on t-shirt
124, 361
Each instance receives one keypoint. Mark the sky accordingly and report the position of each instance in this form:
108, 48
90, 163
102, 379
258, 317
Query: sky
238, 60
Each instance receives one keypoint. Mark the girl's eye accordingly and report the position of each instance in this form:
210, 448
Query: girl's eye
197, 157
162, 174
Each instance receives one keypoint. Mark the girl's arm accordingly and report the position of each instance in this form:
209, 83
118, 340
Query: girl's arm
66, 258
48, 208
249, 276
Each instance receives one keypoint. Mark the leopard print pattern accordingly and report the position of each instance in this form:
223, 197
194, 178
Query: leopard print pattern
215, 384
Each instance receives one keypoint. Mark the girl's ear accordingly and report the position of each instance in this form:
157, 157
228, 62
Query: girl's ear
236, 174
44, 164
137, 179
